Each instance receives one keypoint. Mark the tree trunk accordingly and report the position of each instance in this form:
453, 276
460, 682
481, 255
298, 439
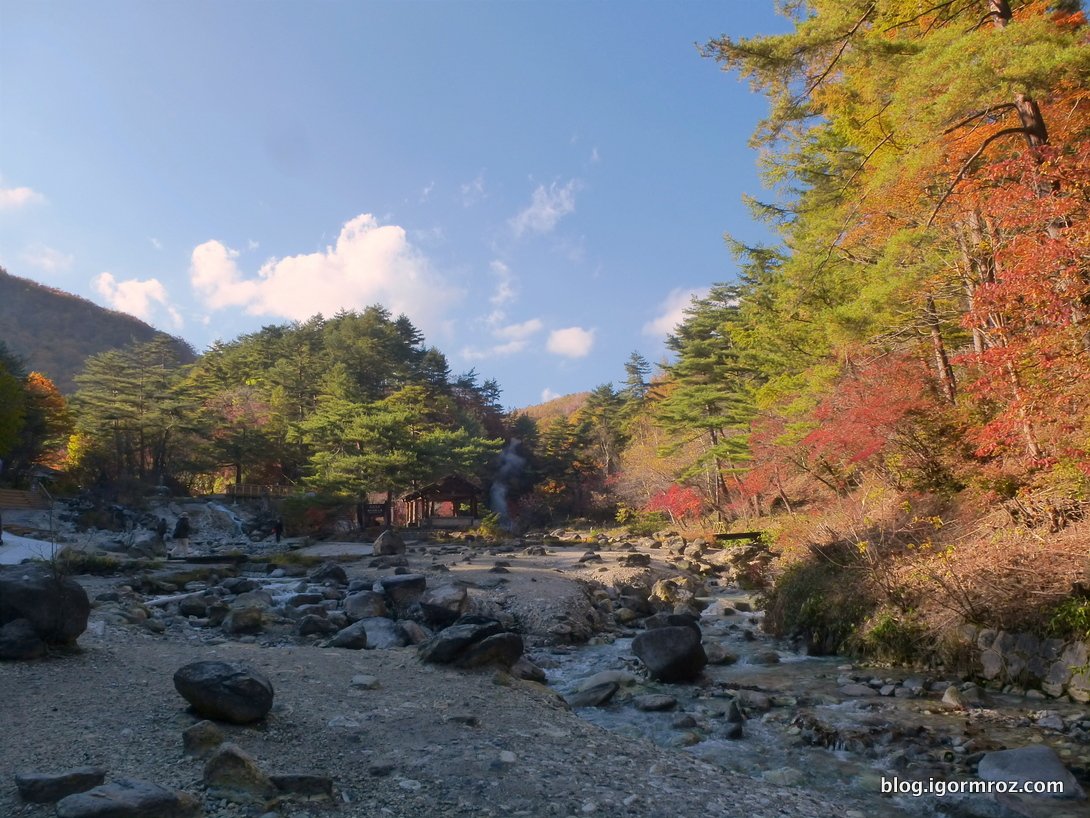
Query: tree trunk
942, 362
1029, 112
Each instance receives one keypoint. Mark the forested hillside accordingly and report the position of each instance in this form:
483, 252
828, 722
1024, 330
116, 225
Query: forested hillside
897, 389
54, 331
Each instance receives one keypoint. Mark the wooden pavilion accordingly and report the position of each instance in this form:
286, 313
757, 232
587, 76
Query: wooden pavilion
450, 502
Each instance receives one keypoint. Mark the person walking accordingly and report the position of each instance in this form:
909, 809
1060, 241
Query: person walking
181, 537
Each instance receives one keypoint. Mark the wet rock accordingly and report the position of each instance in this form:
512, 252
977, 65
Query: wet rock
655, 702
388, 543
683, 722
856, 690
240, 585
201, 739
224, 691
952, 699
19, 641
129, 798
595, 696
620, 677
1036, 763
733, 731
56, 607
46, 788
671, 654
765, 657
718, 655
232, 774
443, 605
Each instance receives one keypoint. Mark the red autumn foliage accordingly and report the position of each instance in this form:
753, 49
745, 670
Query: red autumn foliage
677, 501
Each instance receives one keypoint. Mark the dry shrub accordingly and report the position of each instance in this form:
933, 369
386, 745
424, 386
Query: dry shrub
998, 575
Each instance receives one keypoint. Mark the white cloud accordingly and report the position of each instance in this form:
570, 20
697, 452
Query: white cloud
48, 259
425, 194
594, 156
571, 342
513, 337
505, 284
134, 296
548, 205
520, 331
252, 245
13, 197
474, 191
547, 395
158, 245
673, 311
368, 264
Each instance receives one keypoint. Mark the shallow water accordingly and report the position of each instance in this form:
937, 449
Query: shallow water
879, 737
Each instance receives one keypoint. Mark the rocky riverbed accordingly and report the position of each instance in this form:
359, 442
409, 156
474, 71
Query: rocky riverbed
361, 724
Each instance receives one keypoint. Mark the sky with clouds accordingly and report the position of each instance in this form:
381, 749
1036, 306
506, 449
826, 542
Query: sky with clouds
540, 186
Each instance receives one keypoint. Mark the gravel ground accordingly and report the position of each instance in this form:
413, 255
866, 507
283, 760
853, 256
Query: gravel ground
429, 741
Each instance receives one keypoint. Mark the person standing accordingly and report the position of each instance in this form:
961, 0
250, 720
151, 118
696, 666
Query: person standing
181, 537
278, 529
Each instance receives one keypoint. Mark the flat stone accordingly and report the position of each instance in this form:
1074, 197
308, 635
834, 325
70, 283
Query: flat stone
365, 604
129, 798
305, 785
595, 696
46, 788
365, 682
855, 689
655, 702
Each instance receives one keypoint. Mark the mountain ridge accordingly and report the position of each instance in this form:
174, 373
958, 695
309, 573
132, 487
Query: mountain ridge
29, 310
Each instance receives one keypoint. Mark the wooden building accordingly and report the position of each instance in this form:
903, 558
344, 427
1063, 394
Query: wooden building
450, 502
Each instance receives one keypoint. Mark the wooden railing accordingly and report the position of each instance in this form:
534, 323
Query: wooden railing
257, 491
14, 498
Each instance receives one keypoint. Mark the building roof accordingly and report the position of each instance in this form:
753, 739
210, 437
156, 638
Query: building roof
451, 487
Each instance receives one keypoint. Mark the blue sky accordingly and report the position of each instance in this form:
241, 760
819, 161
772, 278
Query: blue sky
538, 185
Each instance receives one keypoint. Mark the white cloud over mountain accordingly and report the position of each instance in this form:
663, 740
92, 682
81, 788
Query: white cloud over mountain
368, 264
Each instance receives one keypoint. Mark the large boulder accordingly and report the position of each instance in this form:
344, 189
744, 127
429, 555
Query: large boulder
389, 542
383, 633
443, 605
354, 637
1035, 763
364, 604
129, 798
450, 643
330, 573
56, 606
404, 590
223, 691
19, 640
499, 649
671, 654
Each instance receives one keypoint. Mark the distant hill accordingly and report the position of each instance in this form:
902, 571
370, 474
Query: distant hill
54, 331
564, 406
